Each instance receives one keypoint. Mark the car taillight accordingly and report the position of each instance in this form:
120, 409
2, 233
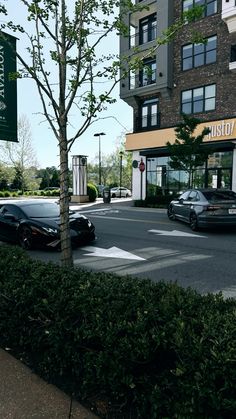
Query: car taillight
212, 207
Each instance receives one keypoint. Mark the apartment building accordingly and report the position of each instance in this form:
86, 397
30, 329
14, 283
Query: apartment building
181, 77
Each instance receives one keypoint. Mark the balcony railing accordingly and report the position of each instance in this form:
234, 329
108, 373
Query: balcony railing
138, 81
148, 123
140, 38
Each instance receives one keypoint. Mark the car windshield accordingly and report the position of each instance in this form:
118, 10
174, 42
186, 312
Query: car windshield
42, 210
220, 195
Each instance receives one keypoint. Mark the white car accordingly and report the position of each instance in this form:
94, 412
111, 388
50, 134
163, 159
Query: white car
120, 192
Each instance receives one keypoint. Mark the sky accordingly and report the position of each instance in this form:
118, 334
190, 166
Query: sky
114, 122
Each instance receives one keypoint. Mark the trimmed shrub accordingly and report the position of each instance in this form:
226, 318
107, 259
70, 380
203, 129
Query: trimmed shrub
55, 192
92, 192
139, 349
6, 194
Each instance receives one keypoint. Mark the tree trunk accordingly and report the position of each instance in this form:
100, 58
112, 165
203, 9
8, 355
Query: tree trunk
66, 250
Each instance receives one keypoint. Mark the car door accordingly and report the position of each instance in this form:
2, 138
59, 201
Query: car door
180, 205
189, 204
10, 217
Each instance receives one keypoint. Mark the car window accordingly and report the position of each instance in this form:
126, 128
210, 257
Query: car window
42, 210
12, 209
184, 195
193, 196
220, 195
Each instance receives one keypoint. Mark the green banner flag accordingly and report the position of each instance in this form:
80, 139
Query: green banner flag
8, 88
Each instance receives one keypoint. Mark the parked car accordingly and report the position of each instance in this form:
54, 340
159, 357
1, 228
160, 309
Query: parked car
204, 208
120, 192
36, 223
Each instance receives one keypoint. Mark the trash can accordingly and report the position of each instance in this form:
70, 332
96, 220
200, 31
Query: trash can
106, 194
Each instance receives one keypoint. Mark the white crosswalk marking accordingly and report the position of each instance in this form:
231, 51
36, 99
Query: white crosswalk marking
162, 263
228, 292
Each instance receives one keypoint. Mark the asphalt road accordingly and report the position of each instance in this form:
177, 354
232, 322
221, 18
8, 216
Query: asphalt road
144, 243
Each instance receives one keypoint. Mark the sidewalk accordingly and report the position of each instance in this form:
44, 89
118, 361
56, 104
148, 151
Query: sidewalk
23, 395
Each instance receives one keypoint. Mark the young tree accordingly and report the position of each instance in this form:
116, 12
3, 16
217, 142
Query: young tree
64, 59
21, 155
187, 152
6, 176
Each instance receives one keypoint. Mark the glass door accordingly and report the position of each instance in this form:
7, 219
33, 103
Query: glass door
219, 178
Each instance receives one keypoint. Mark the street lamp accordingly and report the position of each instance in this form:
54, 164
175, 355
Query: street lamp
98, 134
121, 157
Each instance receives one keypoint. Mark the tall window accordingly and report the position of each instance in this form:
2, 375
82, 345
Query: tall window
149, 114
148, 73
201, 99
132, 79
148, 29
210, 6
195, 55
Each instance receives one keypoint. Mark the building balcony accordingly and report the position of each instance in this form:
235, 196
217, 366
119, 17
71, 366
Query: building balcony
136, 82
143, 37
229, 14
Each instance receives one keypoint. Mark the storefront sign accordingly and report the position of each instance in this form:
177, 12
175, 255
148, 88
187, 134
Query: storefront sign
222, 129
8, 92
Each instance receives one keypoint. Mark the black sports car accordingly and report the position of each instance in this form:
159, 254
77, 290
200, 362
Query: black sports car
34, 223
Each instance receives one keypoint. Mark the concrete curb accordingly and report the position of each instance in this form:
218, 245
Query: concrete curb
24, 395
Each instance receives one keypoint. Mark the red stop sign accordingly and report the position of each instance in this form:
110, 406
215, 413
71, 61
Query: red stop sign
141, 166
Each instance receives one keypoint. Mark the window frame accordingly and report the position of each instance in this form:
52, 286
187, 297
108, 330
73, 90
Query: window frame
194, 54
150, 19
147, 68
148, 105
193, 102
206, 3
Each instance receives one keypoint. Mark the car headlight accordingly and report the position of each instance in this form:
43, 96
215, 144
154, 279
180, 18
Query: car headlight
50, 230
85, 218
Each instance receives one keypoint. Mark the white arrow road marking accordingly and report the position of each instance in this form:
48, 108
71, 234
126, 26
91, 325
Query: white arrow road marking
175, 233
112, 252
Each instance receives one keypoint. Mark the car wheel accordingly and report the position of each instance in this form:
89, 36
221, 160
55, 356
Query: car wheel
113, 195
25, 238
171, 213
193, 222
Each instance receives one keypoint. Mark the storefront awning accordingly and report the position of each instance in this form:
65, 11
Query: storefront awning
214, 146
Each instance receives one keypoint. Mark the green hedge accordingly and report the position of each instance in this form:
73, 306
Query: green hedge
137, 348
159, 201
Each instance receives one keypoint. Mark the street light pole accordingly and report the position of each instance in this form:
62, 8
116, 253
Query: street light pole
98, 134
121, 157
